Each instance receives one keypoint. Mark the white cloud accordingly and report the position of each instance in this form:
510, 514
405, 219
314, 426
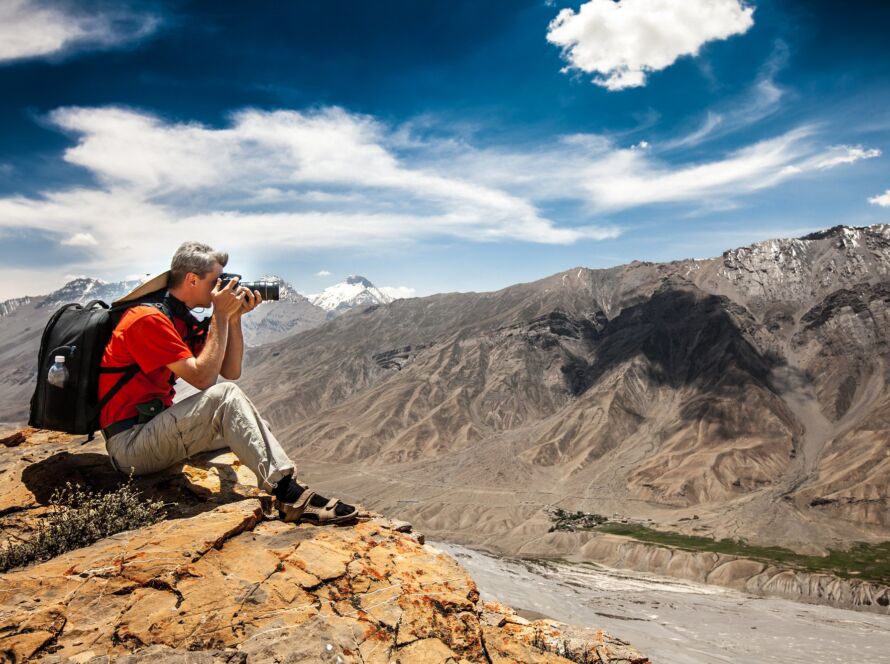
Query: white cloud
398, 292
883, 199
322, 273
255, 184
18, 282
31, 29
844, 154
711, 122
624, 180
284, 179
761, 100
608, 178
624, 41
80, 240
264, 156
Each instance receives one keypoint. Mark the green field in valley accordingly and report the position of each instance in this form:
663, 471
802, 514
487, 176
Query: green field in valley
869, 562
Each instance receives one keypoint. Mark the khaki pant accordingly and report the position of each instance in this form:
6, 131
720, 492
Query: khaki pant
220, 416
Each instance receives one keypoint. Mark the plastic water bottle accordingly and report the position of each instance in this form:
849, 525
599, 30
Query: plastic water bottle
58, 372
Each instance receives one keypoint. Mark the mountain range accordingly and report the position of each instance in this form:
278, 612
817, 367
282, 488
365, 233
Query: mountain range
741, 396
22, 320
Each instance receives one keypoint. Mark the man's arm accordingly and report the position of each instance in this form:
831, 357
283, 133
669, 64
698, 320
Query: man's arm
231, 362
202, 371
231, 366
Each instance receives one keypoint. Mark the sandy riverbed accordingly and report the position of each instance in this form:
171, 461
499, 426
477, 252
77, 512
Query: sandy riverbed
679, 622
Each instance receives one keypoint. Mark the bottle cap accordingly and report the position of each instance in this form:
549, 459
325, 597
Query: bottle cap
60, 358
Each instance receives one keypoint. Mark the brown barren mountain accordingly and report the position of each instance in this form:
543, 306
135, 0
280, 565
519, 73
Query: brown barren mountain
749, 391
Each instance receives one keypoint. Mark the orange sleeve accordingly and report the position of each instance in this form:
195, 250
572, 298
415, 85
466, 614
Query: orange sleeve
153, 342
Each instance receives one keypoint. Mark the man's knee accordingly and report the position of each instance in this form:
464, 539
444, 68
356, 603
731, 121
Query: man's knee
223, 390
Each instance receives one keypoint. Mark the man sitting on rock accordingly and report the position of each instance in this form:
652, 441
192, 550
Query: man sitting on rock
220, 415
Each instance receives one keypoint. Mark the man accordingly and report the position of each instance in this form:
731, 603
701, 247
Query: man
220, 415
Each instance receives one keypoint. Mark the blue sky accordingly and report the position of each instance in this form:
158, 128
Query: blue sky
431, 146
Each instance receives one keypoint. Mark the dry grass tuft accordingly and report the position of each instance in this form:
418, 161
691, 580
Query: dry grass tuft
78, 517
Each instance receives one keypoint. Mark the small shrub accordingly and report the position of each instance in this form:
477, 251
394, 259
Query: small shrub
78, 517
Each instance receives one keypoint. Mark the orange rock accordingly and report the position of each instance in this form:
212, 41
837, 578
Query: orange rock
223, 578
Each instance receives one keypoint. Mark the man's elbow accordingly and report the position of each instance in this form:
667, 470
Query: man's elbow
231, 376
203, 382
192, 373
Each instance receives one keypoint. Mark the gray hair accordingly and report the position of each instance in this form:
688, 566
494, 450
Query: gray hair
194, 257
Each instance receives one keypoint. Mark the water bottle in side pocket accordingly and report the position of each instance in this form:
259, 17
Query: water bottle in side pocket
58, 372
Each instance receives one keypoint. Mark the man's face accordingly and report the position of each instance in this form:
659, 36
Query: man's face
203, 286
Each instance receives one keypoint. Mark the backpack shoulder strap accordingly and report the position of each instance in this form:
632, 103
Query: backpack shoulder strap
130, 370
128, 373
117, 311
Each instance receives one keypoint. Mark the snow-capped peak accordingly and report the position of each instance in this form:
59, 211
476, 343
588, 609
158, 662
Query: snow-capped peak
354, 279
83, 289
354, 291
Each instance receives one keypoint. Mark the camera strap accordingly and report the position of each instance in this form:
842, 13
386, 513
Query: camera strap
196, 330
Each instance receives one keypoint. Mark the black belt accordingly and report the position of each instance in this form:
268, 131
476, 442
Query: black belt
120, 425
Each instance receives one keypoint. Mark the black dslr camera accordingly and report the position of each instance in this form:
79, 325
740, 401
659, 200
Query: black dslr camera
268, 289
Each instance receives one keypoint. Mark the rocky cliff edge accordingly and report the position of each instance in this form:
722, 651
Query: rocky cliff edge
221, 580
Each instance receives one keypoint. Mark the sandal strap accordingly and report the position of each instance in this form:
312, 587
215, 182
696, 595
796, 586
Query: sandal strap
303, 500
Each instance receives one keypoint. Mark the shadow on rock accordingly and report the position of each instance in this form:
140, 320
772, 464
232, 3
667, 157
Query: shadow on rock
196, 485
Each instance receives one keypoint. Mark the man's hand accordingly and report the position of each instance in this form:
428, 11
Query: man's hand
252, 299
227, 301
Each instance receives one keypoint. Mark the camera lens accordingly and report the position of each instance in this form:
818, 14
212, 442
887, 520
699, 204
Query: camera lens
269, 290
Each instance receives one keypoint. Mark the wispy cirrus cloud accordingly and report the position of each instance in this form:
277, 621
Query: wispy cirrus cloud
315, 179
328, 178
761, 100
222, 177
622, 42
32, 29
608, 178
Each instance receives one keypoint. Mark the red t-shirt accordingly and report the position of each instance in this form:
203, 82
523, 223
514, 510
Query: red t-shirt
144, 336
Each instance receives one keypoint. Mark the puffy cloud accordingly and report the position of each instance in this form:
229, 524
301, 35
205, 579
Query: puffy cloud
883, 199
398, 292
31, 29
623, 41
80, 240
323, 273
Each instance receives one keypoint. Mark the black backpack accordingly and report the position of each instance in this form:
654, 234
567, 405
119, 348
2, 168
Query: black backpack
80, 334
